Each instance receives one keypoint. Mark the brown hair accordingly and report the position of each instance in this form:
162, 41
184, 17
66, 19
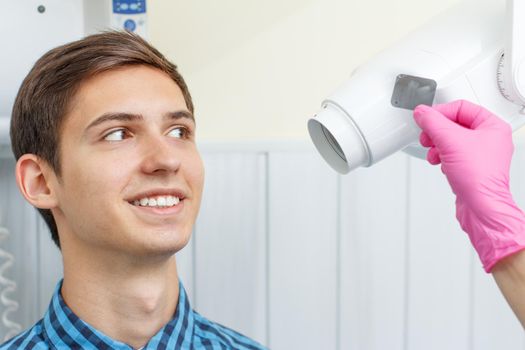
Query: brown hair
46, 92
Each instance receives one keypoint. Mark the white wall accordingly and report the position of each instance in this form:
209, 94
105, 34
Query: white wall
259, 69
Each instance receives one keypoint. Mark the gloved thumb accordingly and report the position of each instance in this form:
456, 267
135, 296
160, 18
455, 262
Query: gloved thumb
436, 125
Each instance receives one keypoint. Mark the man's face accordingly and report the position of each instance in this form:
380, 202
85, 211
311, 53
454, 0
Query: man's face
131, 176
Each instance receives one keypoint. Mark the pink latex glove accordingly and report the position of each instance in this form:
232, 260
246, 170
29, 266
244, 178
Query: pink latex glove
475, 149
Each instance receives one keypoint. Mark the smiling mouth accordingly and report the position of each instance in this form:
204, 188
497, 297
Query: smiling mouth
157, 201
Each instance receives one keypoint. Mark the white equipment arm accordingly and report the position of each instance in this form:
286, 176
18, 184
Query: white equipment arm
514, 72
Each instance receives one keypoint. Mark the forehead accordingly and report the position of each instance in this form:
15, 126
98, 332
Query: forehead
134, 89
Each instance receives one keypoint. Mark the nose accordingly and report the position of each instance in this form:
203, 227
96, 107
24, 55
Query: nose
159, 156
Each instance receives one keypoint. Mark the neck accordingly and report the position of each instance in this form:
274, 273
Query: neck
129, 301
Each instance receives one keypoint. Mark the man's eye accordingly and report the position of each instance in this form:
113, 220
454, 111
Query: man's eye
179, 132
116, 135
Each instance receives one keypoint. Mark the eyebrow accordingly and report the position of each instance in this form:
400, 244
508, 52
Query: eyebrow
122, 116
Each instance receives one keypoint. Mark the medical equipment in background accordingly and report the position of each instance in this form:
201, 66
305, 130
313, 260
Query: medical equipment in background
475, 51
27, 30
119, 14
8, 286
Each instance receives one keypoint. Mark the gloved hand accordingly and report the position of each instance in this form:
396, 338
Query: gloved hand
475, 149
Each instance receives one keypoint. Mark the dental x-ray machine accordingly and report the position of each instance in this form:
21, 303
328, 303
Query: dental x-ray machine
474, 51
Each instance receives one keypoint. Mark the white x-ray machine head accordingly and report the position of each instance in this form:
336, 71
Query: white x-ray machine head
474, 51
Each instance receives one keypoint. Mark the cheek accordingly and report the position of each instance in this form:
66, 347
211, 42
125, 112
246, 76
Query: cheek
96, 178
195, 173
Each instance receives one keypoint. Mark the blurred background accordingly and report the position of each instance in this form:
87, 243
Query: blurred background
285, 250
257, 70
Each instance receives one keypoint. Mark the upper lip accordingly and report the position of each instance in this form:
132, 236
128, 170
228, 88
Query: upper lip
175, 192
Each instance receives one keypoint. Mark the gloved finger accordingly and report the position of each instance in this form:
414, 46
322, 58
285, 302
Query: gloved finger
425, 140
440, 129
433, 156
465, 113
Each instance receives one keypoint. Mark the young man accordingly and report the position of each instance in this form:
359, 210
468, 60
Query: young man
104, 134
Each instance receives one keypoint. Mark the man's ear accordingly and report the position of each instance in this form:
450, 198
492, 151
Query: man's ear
33, 178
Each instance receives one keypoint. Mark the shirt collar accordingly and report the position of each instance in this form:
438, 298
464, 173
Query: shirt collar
63, 328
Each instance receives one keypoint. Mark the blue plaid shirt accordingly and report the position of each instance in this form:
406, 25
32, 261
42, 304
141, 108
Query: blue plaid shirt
62, 329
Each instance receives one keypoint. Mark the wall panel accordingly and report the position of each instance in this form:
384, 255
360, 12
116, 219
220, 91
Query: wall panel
439, 265
302, 252
373, 249
230, 243
494, 325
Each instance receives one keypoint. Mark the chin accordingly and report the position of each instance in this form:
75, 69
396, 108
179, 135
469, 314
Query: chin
167, 243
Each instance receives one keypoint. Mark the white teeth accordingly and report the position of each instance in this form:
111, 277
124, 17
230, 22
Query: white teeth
170, 201
160, 201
